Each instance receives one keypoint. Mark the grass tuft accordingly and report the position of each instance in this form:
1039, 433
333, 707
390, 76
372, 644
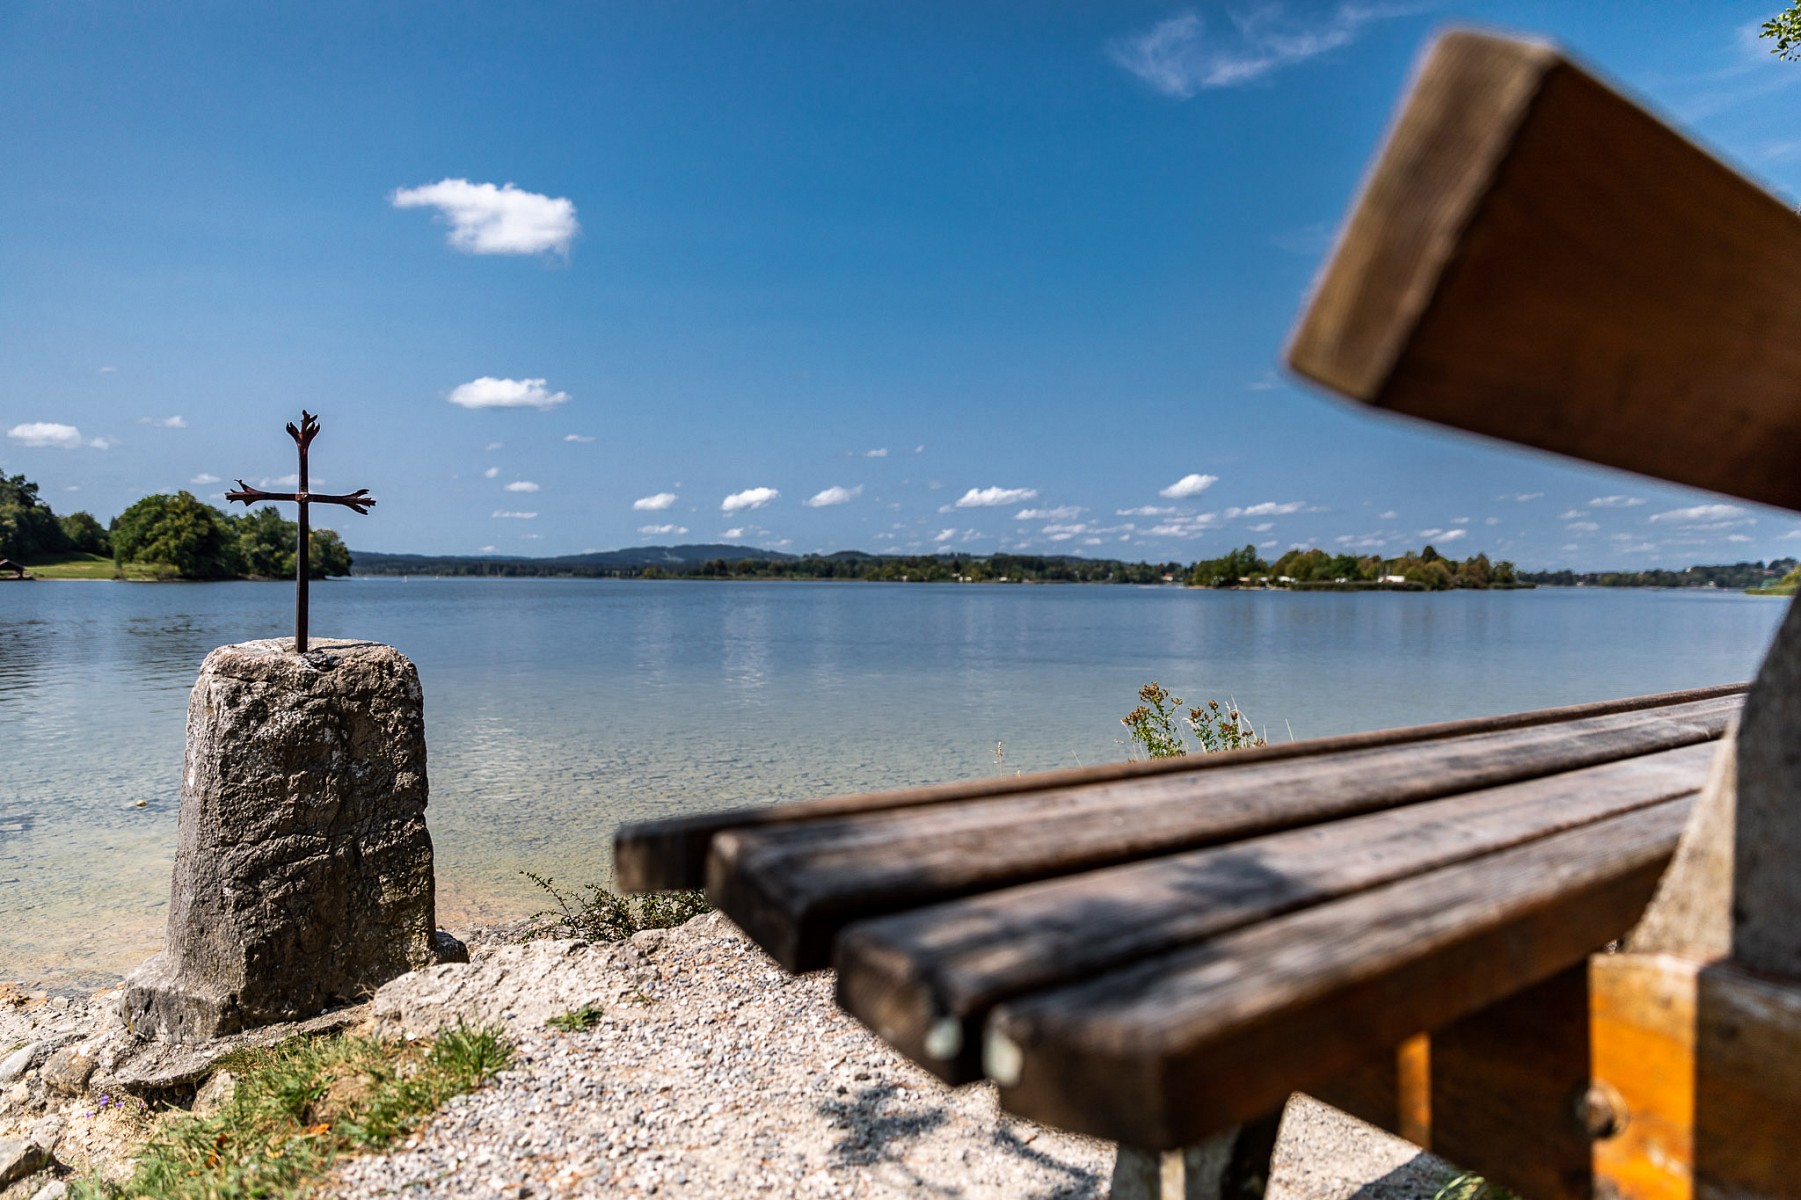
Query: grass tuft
597, 914
577, 1019
301, 1106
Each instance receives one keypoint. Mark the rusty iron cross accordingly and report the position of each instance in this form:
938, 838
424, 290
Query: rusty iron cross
358, 501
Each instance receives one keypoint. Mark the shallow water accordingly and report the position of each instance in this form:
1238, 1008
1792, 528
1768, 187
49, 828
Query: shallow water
557, 708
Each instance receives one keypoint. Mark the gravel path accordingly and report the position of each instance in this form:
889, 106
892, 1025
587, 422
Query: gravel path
713, 1073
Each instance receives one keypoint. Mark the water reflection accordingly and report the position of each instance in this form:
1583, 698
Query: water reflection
556, 709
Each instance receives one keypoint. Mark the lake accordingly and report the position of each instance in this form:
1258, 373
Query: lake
556, 709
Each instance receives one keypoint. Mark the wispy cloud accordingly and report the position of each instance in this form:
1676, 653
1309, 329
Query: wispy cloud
1188, 485
165, 422
834, 495
994, 497
1705, 515
50, 433
504, 515
490, 473
1143, 510
663, 529
485, 219
1522, 497
879, 452
749, 498
488, 392
1269, 508
1181, 56
656, 503
577, 437
1615, 502
202, 479
734, 534
522, 485
944, 535
1063, 512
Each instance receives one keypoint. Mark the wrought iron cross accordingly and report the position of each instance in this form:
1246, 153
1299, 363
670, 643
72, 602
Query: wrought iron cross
358, 501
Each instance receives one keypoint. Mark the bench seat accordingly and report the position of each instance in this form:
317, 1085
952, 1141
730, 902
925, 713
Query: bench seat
1153, 952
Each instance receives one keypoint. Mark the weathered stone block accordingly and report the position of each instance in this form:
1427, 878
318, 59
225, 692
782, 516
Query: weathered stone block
303, 870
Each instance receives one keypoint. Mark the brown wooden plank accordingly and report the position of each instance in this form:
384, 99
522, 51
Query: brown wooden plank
924, 980
791, 888
1507, 1086
671, 852
1536, 258
1697, 1079
1166, 1052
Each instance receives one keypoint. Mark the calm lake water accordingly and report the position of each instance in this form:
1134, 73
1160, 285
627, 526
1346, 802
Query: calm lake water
556, 709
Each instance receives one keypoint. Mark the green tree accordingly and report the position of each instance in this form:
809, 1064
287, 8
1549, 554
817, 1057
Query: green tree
179, 534
28, 529
1785, 29
85, 534
327, 555
266, 543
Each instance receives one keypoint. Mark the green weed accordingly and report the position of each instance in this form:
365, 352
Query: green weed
577, 1019
598, 914
1156, 725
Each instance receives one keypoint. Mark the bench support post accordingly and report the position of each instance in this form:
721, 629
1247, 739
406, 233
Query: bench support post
1696, 1031
1233, 1165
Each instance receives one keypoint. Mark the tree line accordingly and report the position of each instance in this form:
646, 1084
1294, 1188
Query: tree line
165, 537
1424, 570
1727, 575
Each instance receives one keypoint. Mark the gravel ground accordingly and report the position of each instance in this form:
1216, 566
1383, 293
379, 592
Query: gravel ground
712, 1072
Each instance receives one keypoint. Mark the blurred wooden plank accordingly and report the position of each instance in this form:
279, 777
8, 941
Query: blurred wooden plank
671, 852
793, 887
924, 980
1537, 259
1698, 1067
1507, 1083
1167, 1052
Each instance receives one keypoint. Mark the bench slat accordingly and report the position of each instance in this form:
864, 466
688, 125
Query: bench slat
1536, 258
671, 852
792, 888
924, 980
1164, 1053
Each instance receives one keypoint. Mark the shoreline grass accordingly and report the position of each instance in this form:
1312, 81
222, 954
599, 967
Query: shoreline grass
299, 1108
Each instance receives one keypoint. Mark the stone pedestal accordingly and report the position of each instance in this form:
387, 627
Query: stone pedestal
303, 869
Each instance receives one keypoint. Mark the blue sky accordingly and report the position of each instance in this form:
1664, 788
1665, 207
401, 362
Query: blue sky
559, 277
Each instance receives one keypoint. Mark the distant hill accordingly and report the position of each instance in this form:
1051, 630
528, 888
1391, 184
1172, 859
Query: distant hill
601, 562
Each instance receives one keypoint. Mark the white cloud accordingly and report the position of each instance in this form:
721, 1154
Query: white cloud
1063, 512
656, 503
202, 479
577, 437
1571, 514
485, 219
102, 443
733, 533
492, 446
165, 422
514, 516
662, 529
488, 392
108, 370
1702, 512
1451, 535
46, 433
1390, 515
881, 452
1269, 508
834, 495
755, 497
1737, 537
1615, 502
1522, 497
1582, 527
1147, 510
490, 473
993, 497
489, 549
944, 535
522, 485
1179, 57
1188, 485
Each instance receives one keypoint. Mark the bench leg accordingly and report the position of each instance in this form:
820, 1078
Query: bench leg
1228, 1166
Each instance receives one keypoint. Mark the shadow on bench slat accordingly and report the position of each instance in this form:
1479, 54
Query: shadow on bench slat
1169, 1051
792, 888
924, 980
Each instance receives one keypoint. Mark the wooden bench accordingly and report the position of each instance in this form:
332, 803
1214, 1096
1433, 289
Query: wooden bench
1402, 922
